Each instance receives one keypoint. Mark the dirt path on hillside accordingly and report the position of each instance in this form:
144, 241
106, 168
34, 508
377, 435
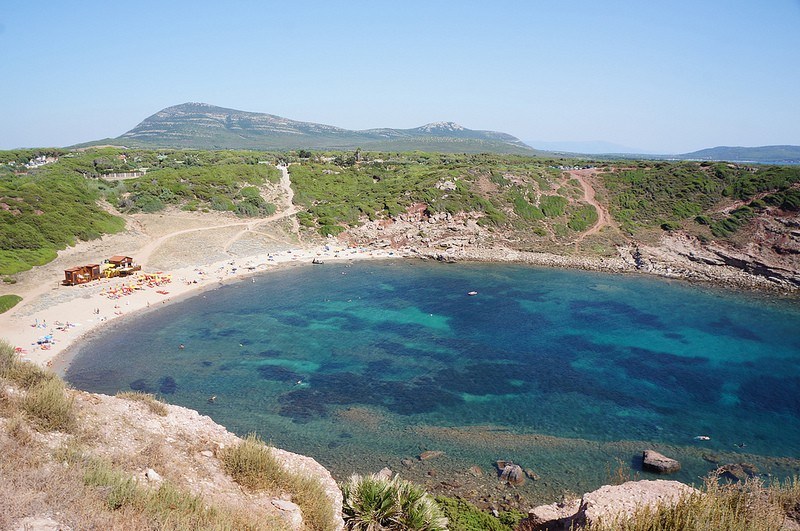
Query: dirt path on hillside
144, 254
603, 217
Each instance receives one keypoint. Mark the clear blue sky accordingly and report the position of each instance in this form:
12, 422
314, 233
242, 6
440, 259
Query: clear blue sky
666, 77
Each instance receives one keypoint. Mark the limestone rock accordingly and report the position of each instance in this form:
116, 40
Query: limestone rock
152, 475
611, 501
40, 523
385, 473
653, 461
606, 504
554, 516
291, 512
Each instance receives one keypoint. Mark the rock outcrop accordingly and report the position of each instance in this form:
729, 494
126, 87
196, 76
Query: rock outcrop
510, 473
606, 504
653, 461
185, 445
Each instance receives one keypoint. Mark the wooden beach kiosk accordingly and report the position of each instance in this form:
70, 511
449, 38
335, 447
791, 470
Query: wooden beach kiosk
81, 274
121, 266
120, 261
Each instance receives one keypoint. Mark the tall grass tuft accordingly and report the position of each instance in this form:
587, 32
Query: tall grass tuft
373, 503
49, 405
23, 373
152, 403
253, 465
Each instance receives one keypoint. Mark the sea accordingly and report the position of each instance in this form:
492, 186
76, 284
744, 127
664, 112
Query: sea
569, 374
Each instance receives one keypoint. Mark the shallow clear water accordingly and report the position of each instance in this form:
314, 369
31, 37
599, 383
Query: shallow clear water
564, 372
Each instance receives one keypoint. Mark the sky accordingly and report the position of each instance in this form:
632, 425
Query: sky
660, 77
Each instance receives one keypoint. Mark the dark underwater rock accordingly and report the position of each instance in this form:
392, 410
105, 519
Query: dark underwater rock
167, 385
735, 472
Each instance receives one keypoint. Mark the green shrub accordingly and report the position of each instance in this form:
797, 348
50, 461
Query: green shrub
583, 218
219, 202
553, 205
376, 503
670, 226
331, 230
523, 208
729, 225
464, 516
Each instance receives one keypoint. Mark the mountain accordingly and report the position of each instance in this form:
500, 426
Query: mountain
204, 126
763, 154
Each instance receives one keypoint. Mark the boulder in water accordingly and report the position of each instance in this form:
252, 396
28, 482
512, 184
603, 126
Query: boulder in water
653, 461
512, 474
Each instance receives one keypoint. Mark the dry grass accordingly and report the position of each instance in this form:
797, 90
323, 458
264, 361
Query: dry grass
86, 493
25, 375
747, 506
153, 404
81, 491
50, 406
253, 465
166, 506
43, 396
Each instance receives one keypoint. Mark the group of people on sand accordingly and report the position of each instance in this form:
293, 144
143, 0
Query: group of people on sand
143, 280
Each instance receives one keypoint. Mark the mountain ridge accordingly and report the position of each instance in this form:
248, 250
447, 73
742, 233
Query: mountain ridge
777, 154
205, 126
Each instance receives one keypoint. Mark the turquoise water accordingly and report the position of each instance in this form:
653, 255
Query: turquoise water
568, 373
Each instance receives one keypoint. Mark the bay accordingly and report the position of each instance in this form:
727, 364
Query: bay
569, 373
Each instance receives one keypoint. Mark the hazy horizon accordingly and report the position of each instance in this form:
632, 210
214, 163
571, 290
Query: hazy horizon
671, 78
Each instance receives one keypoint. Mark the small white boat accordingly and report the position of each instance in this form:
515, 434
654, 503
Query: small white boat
472, 293
702, 438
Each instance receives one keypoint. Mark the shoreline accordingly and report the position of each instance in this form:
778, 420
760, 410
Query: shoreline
83, 310
80, 311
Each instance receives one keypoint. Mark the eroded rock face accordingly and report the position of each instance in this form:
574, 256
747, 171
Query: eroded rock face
653, 461
186, 445
605, 504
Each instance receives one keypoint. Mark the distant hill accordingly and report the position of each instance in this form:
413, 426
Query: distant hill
763, 154
203, 126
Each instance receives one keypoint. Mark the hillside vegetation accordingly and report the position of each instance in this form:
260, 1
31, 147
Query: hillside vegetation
525, 202
47, 208
721, 196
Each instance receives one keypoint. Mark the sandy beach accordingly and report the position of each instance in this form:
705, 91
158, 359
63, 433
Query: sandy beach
46, 326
